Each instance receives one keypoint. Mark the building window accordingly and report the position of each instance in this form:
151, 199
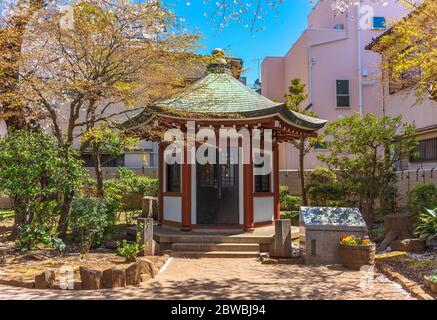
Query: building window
173, 177
106, 160
426, 151
378, 23
342, 93
262, 182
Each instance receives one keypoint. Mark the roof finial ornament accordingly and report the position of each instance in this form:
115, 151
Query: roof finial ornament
219, 64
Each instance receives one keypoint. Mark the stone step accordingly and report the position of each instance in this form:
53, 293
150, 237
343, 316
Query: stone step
214, 254
207, 247
198, 238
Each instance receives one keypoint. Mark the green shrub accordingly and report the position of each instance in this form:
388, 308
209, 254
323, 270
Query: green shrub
427, 225
327, 194
283, 190
129, 250
289, 202
32, 236
292, 215
322, 175
125, 186
89, 218
423, 195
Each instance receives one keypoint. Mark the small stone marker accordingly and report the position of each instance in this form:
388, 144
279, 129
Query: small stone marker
282, 242
145, 227
148, 208
45, 279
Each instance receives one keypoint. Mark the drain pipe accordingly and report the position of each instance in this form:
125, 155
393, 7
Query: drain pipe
360, 85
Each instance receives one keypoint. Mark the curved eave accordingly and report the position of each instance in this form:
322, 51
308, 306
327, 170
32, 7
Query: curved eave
281, 111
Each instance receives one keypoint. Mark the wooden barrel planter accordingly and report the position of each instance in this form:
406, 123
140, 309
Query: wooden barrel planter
356, 256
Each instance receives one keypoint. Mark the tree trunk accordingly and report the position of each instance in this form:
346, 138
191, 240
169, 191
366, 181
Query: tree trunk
65, 213
368, 204
302, 172
98, 172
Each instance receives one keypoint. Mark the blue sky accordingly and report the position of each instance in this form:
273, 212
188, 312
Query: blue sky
281, 30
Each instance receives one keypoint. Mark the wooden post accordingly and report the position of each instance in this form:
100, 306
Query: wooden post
186, 193
161, 166
248, 192
276, 205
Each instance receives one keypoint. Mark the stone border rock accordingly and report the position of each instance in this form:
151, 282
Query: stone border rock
408, 285
135, 273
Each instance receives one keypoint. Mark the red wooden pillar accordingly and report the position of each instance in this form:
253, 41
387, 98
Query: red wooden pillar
161, 166
277, 206
248, 192
186, 193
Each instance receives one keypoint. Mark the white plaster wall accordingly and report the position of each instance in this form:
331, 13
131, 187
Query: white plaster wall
263, 209
173, 209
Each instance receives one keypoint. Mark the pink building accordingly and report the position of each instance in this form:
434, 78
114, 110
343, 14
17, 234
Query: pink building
330, 58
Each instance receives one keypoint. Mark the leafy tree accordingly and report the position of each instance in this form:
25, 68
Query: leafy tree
409, 51
13, 109
364, 150
104, 140
35, 171
112, 59
293, 99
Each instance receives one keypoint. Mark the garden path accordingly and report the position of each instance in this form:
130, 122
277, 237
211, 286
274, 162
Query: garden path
234, 279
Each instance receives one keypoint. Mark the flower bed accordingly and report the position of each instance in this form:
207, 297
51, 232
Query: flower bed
413, 266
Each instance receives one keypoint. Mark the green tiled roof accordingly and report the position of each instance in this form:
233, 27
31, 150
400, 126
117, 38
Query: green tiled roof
220, 95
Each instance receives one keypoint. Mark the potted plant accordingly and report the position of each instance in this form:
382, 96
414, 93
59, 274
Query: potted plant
431, 282
356, 251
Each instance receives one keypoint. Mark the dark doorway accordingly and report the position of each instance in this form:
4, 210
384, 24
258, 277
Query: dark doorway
217, 194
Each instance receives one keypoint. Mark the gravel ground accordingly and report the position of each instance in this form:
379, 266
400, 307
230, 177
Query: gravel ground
235, 279
414, 265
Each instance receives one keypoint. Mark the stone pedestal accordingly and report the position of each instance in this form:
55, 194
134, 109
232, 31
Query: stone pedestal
145, 228
282, 242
